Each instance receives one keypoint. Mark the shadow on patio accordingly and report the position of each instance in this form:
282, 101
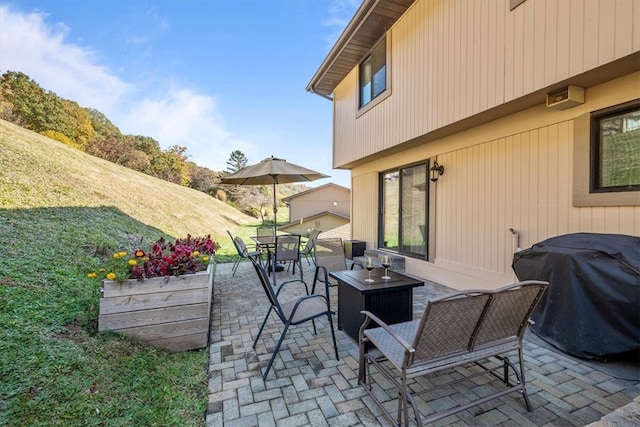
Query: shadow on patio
307, 386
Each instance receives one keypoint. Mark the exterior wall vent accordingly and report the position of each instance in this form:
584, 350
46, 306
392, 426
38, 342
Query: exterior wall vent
564, 98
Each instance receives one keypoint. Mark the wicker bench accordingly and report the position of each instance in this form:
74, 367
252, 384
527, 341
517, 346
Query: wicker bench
454, 330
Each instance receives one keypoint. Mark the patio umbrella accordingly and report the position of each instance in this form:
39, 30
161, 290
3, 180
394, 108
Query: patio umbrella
272, 171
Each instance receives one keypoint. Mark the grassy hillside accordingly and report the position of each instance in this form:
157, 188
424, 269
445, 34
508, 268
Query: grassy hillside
38, 172
57, 205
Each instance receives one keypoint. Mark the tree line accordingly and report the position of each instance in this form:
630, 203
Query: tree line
24, 103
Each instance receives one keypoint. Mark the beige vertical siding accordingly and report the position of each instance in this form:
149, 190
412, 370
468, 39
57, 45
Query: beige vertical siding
516, 172
523, 182
512, 182
452, 59
366, 225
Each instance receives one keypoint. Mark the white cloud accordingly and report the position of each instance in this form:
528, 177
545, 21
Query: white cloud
179, 117
340, 13
29, 45
183, 117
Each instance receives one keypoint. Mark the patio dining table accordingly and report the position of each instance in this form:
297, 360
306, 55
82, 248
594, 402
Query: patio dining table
264, 242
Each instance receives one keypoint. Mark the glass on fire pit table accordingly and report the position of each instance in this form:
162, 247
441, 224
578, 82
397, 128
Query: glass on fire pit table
385, 260
369, 265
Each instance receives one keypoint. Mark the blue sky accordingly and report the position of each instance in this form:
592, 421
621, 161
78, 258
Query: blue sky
213, 76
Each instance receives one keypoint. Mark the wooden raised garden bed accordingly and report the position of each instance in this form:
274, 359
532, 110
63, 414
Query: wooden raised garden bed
171, 313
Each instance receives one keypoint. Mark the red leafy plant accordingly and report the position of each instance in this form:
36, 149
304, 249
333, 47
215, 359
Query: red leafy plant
162, 258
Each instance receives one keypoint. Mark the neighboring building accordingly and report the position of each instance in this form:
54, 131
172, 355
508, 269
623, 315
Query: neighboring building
328, 197
324, 207
323, 221
532, 108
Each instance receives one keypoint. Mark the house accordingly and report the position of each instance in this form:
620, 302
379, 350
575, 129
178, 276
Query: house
474, 128
325, 207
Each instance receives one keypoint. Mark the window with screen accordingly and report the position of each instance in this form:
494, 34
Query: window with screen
615, 149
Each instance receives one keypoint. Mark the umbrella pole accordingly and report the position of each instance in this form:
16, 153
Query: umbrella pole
275, 209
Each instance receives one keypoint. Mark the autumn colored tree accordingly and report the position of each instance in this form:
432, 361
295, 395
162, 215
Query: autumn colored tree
58, 137
35, 109
25, 103
22, 97
203, 179
111, 147
141, 152
171, 165
80, 128
101, 124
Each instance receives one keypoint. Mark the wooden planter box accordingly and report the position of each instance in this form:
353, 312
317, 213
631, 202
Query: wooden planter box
171, 313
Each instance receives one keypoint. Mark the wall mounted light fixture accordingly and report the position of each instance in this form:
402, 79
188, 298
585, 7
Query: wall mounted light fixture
436, 171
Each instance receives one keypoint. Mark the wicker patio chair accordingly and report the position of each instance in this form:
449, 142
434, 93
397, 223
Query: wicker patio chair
293, 312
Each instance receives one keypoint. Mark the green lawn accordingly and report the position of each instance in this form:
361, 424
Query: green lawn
57, 205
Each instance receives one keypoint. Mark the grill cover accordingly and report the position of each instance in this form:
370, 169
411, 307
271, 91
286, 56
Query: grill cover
592, 306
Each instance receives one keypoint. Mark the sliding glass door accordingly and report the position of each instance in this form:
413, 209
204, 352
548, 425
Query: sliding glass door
404, 199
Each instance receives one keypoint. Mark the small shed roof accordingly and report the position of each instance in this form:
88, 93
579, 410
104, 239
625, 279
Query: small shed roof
343, 232
315, 216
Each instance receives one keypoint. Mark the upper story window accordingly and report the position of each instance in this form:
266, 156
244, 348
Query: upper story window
615, 149
373, 73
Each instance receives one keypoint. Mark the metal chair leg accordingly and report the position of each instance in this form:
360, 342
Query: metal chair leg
262, 327
236, 263
275, 352
333, 335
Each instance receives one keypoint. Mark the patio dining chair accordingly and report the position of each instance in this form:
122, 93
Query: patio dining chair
238, 257
293, 312
286, 251
307, 251
328, 257
243, 253
264, 231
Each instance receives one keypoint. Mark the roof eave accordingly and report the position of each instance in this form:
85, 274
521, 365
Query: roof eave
372, 19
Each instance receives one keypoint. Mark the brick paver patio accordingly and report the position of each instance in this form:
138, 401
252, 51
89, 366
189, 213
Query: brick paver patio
307, 386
